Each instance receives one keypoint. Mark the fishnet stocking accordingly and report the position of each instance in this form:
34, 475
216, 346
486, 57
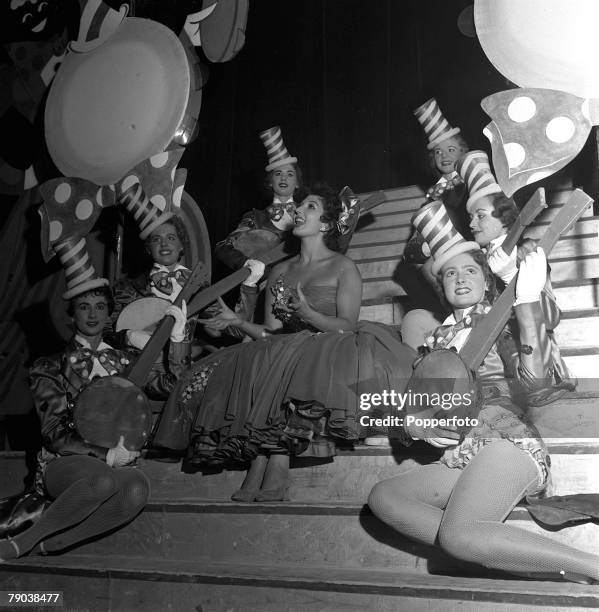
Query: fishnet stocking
465, 510
89, 495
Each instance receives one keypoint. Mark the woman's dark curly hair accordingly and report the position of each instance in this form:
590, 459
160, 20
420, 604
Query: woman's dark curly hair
331, 205
490, 286
105, 292
505, 209
177, 222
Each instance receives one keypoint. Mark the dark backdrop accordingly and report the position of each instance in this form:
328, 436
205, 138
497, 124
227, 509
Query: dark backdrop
341, 77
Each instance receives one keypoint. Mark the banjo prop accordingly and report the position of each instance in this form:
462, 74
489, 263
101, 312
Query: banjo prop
116, 405
445, 371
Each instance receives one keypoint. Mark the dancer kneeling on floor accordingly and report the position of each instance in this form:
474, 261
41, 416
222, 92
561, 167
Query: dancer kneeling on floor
461, 503
295, 389
94, 489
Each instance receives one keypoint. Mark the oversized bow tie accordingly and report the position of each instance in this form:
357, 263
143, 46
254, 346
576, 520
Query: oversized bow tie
162, 279
444, 334
277, 209
535, 132
81, 361
436, 191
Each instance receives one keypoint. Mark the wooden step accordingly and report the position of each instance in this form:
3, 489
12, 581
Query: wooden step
330, 535
577, 294
578, 328
140, 583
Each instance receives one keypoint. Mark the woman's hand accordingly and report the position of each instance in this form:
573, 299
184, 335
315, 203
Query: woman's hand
180, 316
298, 304
119, 456
223, 319
503, 265
256, 272
532, 277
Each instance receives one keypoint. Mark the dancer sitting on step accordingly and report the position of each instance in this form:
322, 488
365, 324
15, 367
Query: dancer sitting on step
461, 502
295, 388
93, 489
491, 216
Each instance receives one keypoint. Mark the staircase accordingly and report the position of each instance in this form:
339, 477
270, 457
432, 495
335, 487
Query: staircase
193, 550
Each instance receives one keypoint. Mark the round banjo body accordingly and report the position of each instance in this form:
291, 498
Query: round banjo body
442, 380
111, 407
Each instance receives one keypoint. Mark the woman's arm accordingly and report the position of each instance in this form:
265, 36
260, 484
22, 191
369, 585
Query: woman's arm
349, 300
49, 389
535, 361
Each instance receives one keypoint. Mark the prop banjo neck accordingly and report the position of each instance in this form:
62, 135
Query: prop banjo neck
528, 214
486, 332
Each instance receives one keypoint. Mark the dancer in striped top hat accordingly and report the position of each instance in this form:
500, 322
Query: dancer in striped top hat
80, 273
492, 213
436, 127
444, 240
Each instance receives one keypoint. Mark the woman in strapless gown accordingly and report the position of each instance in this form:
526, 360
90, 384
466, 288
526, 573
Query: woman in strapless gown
296, 389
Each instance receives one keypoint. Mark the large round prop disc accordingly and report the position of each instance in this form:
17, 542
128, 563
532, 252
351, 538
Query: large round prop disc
117, 105
142, 314
542, 43
111, 407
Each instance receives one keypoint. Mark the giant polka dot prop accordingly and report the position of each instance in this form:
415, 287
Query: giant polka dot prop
536, 132
70, 210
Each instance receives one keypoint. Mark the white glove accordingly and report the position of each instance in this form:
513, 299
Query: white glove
256, 272
137, 339
531, 277
502, 265
118, 456
180, 316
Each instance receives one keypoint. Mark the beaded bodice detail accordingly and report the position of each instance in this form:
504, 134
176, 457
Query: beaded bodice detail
322, 298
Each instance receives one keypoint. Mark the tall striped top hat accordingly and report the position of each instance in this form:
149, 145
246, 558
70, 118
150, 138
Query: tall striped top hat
436, 127
97, 23
147, 215
476, 172
80, 273
275, 149
445, 242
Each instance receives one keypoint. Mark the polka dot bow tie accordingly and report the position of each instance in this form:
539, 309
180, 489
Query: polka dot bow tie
277, 210
162, 280
444, 334
81, 361
536, 132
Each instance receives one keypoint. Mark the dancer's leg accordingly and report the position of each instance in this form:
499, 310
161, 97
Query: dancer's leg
413, 503
276, 479
131, 497
253, 480
472, 528
79, 485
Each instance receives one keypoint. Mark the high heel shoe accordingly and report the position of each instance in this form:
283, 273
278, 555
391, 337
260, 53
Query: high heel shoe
579, 578
272, 495
245, 495
9, 550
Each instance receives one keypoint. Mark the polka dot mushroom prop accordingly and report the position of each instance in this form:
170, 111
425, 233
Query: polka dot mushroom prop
549, 48
535, 132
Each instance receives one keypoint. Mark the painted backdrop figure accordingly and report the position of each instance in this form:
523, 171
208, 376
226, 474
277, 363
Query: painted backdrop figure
461, 502
94, 489
295, 388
